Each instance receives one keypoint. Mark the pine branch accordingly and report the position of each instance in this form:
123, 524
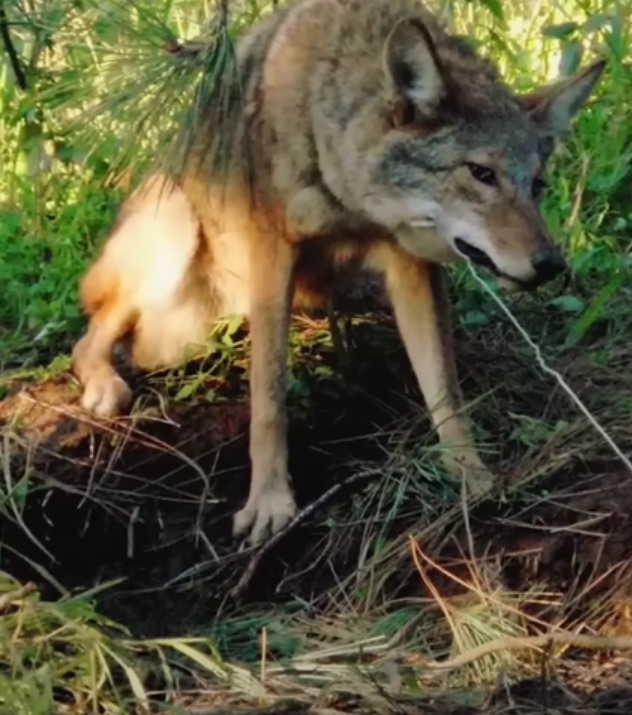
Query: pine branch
150, 97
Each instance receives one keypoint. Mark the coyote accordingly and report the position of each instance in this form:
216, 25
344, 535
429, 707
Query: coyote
367, 138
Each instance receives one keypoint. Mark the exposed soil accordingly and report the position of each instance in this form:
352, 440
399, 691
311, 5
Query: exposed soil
125, 496
125, 499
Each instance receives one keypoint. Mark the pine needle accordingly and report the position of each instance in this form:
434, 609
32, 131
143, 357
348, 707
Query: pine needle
146, 95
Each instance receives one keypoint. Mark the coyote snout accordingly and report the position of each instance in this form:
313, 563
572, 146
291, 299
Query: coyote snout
548, 263
519, 252
497, 225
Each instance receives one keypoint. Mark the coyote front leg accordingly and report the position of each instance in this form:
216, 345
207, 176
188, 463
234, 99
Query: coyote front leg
270, 503
419, 296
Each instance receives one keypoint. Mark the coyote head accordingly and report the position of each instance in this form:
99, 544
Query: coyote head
460, 154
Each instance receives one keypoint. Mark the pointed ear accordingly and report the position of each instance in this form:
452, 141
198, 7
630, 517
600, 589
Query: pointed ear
411, 63
552, 107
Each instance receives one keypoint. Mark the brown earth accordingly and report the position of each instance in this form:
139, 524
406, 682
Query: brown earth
150, 498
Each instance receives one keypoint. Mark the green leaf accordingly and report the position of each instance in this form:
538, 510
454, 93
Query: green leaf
559, 31
132, 677
187, 390
568, 303
472, 42
594, 310
210, 663
475, 317
233, 325
494, 7
571, 57
597, 21
617, 38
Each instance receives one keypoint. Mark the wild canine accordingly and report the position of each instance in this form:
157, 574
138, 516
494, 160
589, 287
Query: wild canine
368, 138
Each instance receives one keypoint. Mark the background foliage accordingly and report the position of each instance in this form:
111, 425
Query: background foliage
87, 93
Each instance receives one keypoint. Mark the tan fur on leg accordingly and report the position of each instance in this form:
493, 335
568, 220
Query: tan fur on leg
270, 502
419, 296
105, 392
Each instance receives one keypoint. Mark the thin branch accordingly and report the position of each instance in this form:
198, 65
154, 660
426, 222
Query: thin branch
10, 597
14, 59
249, 572
546, 640
184, 49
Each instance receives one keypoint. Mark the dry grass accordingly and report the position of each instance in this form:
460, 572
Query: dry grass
391, 578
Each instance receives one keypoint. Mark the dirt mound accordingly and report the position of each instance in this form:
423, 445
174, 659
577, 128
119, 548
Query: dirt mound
149, 498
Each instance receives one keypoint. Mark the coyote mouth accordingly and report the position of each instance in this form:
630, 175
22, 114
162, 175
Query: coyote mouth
480, 258
475, 255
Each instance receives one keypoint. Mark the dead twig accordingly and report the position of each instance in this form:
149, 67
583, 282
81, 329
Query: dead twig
546, 640
302, 515
184, 49
10, 597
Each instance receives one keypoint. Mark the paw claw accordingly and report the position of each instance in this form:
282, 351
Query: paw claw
106, 397
479, 479
265, 516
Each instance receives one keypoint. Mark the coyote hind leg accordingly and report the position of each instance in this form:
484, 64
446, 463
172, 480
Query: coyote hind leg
105, 393
143, 284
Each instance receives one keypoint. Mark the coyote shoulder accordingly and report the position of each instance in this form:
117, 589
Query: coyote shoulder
368, 138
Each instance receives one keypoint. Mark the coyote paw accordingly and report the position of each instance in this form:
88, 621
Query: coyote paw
266, 514
479, 479
106, 395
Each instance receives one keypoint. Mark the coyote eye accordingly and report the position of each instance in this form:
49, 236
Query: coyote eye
538, 187
483, 174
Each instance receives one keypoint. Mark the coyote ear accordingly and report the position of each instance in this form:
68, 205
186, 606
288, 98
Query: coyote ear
410, 60
552, 107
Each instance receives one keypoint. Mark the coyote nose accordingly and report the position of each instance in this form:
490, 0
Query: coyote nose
548, 263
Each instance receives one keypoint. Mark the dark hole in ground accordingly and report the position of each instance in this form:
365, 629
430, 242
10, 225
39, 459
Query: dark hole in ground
143, 499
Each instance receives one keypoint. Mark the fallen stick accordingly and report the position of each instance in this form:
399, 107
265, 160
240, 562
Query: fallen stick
10, 597
250, 570
542, 641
